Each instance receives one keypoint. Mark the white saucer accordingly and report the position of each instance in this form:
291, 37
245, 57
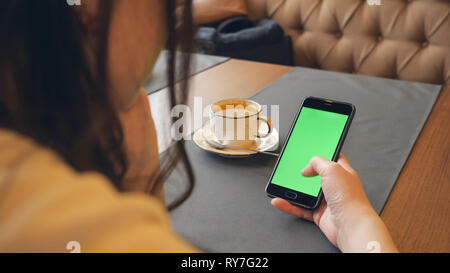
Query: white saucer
269, 143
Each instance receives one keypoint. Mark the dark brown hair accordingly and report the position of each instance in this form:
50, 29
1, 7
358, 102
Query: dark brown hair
51, 93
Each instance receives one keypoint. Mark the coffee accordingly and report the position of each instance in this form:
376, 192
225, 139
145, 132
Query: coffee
235, 108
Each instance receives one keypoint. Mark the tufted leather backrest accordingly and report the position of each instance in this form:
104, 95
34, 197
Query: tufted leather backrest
404, 39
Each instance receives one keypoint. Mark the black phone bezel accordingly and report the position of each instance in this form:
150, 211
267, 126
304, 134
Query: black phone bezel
302, 199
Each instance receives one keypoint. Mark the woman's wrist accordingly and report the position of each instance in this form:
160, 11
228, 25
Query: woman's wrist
364, 231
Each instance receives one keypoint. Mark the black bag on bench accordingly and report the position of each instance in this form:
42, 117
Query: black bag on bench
238, 37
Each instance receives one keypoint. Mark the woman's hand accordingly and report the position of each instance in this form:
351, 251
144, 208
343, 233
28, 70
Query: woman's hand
346, 216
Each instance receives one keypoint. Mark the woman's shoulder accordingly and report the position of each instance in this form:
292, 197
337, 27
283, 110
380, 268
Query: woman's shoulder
45, 204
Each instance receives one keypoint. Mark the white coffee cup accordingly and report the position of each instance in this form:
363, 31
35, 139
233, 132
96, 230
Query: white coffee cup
236, 122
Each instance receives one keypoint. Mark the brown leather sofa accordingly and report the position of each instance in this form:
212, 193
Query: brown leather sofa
403, 39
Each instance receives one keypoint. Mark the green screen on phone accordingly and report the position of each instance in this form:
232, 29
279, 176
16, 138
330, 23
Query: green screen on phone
315, 133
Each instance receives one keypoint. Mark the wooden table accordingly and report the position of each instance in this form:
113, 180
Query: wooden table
417, 211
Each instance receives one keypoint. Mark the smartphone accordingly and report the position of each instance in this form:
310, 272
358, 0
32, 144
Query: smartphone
319, 129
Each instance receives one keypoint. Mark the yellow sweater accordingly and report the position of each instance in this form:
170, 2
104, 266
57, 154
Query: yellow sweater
45, 204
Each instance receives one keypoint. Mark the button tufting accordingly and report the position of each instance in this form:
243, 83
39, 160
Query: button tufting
406, 34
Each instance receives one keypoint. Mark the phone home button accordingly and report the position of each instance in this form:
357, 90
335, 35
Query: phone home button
291, 195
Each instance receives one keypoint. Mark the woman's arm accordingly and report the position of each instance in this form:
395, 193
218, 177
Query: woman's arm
46, 204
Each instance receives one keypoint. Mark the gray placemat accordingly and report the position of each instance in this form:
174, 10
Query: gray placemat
229, 211
200, 62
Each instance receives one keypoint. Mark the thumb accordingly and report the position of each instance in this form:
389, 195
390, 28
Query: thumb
316, 166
